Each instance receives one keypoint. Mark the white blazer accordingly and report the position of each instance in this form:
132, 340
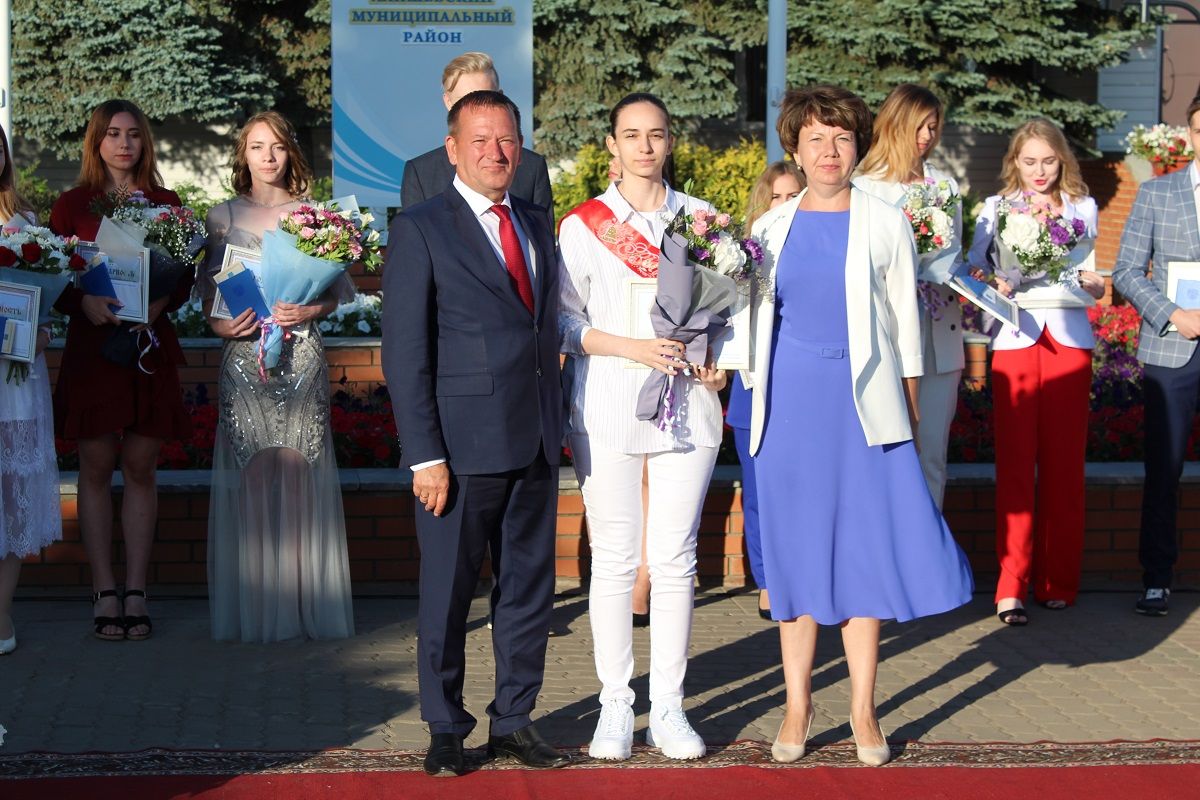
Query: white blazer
946, 331
882, 315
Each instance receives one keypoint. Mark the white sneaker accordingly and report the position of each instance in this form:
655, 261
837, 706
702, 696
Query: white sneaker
613, 739
10, 644
671, 733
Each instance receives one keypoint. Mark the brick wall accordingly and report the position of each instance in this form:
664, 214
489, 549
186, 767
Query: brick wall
383, 549
354, 364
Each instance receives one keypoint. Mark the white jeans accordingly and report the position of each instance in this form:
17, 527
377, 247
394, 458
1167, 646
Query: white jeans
611, 483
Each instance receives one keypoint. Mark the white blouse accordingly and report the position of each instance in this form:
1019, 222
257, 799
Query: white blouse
594, 293
1068, 326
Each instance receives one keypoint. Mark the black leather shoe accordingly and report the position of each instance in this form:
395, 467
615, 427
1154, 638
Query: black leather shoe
445, 756
528, 747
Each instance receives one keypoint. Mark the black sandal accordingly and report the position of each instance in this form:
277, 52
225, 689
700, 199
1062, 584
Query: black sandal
1015, 617
107, 622
136, 621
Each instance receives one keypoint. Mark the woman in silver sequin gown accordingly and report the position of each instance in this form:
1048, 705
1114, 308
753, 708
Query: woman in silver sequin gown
277, 564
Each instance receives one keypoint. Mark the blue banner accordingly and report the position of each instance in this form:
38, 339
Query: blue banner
387, 81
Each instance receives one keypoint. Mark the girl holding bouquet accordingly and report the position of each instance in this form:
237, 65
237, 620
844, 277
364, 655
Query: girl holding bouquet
277, 563
611, 446
112, 408
1041, 373
906, 130
30, 516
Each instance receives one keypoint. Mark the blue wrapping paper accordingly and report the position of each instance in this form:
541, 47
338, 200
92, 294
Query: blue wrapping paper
289, 276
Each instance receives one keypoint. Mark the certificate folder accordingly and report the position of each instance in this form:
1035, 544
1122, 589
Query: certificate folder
240, 291
96, 281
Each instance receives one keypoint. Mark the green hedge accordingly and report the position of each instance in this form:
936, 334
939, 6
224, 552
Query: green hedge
722, 177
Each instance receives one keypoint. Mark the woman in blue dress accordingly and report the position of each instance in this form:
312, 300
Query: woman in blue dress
850, 533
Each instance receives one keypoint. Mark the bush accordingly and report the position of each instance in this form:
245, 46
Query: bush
196, 198
722, 177
37, 192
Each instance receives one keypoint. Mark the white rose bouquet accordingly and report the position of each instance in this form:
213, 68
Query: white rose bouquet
1035, 240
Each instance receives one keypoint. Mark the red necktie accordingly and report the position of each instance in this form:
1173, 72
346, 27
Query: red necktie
514, 257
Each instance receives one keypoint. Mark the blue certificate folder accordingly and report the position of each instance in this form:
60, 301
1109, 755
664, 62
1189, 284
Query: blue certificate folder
1187, 294
240, 291
96, 281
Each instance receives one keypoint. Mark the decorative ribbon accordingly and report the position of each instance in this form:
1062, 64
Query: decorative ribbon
622, 240
268, 327
143, 351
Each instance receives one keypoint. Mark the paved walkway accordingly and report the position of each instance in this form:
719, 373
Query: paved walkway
1092, 673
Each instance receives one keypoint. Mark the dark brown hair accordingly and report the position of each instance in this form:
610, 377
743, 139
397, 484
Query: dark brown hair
298, 172
827, 105
93, 173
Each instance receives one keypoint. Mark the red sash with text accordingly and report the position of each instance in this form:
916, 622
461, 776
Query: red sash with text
621, 239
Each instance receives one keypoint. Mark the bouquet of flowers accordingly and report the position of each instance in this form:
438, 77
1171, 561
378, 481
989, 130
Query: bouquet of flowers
36, 257
33, 256
327, 232
312, 248
174, 235
704, 269
1161, 145
716, 243
1034, 242
931, 207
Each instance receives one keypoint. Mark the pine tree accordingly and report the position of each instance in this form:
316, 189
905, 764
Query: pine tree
993, 64
589, 55
71, 55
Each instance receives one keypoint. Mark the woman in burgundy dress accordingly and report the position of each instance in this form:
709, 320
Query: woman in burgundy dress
110, 408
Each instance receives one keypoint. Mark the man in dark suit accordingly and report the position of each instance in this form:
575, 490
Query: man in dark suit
470, 353
429, 174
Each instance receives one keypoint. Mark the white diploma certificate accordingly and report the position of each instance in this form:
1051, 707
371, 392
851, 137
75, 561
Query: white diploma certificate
130, 274
18, 321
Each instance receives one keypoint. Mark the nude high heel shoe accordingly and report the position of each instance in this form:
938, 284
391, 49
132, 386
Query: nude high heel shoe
872, 756
787, 753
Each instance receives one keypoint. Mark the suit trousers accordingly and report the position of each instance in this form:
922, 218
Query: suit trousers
514, 513
1171, 397
1040, 398
750, 529
937, 402
611, 482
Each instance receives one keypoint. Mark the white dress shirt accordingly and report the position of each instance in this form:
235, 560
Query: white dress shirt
490, 222
595, 294
1069, 326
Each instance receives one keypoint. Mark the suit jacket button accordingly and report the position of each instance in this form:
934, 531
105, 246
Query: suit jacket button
951, 326
539, 372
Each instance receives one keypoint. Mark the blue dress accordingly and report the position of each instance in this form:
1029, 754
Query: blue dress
848, 530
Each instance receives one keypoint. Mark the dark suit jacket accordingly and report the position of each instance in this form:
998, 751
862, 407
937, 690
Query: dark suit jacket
473, 377
429, 174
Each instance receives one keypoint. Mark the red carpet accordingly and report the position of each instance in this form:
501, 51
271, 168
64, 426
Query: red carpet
1046, 771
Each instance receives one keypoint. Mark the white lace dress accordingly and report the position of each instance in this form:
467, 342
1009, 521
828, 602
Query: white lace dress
30, 517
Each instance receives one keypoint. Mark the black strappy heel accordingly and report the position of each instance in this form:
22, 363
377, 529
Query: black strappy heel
135, 621
107, 622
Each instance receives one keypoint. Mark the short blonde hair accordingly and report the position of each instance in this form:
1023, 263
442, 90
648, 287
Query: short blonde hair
467, 64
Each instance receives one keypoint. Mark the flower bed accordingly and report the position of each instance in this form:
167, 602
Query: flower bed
1115, 415
364, 431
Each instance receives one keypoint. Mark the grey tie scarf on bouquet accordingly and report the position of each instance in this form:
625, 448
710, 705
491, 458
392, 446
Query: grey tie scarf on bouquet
673, 316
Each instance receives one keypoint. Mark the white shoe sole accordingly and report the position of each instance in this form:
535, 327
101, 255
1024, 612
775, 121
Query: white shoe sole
679, 752
610, 751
